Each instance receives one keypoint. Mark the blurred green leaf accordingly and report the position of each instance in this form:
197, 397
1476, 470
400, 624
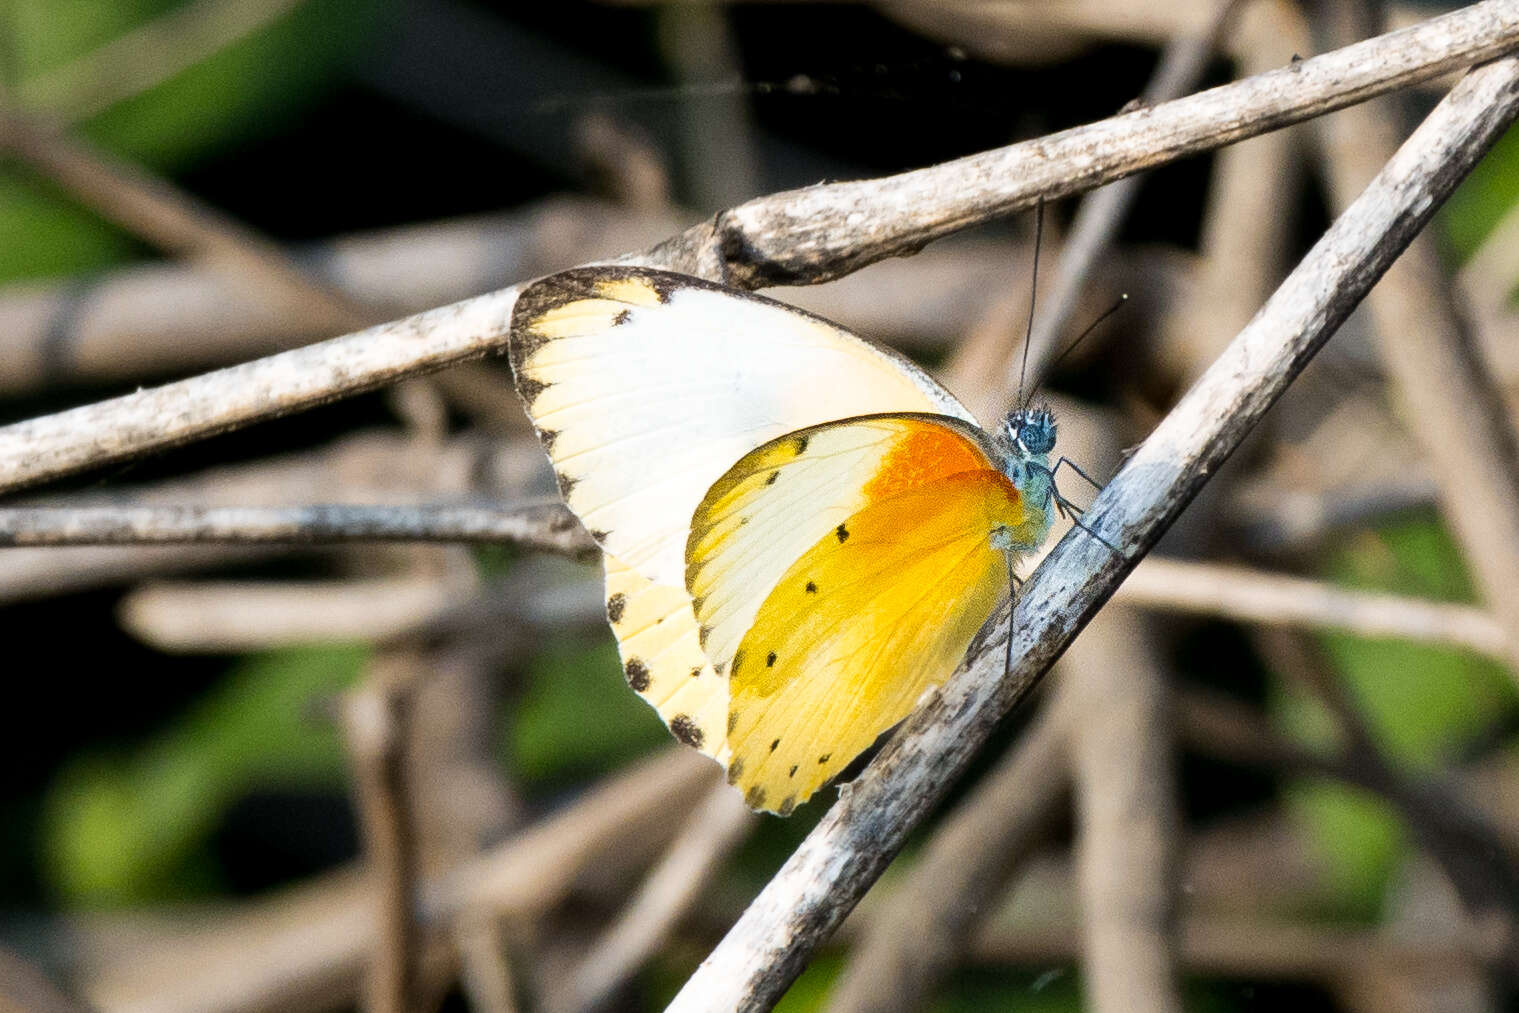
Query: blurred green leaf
248, 89
124, 826
810, 991
48, 235
578, 717
1360, 838
1421, 704
1483, 197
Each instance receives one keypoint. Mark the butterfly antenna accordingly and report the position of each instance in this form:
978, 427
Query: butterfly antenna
1117, 305
1028, 332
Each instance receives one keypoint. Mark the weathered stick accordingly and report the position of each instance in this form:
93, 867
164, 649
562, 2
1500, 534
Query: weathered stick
805, 235
767, 947
544, 526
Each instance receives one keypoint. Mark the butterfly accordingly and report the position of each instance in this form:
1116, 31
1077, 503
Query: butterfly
801, 531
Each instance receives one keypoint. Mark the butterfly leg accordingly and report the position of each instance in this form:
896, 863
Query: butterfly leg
1014, 585
1077, 469
1070, 510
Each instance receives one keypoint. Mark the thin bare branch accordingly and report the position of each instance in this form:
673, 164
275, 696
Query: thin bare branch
1225, 591
806, 235
376, 721
1255, 596
768, 946
233, 616
547, 527
1127, 824
1235, 946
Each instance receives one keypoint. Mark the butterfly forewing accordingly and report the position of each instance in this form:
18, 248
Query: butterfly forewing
662, 660
646, 386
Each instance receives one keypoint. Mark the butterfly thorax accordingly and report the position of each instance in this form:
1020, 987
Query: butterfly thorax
1024, 441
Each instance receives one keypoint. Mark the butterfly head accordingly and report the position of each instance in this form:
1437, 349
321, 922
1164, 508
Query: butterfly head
1030, 432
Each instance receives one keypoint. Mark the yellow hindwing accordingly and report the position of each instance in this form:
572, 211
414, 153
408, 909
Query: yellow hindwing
875, 610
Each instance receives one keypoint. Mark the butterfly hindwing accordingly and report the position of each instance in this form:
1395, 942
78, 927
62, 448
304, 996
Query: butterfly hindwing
781, 498
841, 637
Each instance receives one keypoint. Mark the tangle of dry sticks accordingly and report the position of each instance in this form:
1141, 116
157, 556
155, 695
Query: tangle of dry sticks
762, 954
807, 235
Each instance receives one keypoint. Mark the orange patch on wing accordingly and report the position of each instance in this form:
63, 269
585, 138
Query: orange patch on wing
926, 454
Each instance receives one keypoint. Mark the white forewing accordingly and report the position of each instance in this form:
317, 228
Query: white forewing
647, 386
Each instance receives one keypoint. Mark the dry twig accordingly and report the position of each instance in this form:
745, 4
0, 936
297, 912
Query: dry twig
376, 724
1255, 596
547, 527
1127, 824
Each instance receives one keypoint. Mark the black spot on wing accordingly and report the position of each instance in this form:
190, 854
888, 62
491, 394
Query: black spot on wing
770, 660
732, 721
701, 636
621, 317
664, 283
547, 438
599, 535
842, 532
685, 730
695, 671
616, 605
530, 389
754, 798
522, 344
812, 588
787, 807
793, 771
566, 484
738, 659
735, 770
637, 674
775, 745
800, 445
773, 476
824, 758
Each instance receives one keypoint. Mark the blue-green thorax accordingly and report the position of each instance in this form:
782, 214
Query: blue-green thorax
1024, 442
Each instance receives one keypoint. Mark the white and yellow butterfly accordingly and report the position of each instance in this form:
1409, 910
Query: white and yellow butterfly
802, 532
